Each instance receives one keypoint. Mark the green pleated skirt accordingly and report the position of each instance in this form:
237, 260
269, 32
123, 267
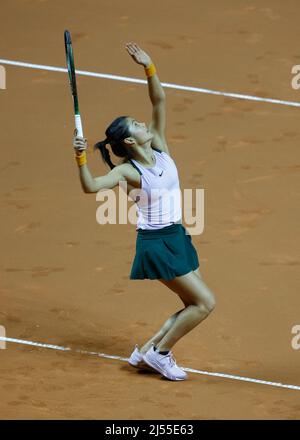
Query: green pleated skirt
163, 253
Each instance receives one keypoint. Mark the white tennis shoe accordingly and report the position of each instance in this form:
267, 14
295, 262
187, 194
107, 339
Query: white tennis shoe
136, 360
165, 364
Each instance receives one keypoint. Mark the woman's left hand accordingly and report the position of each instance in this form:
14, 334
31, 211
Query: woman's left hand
138, 54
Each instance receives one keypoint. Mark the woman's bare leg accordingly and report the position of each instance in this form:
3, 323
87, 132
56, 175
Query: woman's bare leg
199, 301
168, 324
161, 332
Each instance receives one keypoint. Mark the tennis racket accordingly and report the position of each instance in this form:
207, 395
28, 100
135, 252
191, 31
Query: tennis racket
72, 81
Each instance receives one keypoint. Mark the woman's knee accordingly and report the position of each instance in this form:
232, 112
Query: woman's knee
204, 299
211, 304
207, 307
206, 296
192, 290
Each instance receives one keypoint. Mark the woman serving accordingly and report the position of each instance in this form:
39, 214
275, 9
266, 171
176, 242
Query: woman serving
164, 249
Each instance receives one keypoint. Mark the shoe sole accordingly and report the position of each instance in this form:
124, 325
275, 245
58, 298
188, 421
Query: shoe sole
161, 371
143, 366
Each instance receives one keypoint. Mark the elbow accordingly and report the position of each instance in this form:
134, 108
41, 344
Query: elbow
90, 190
87, 187
160, 98
87, 190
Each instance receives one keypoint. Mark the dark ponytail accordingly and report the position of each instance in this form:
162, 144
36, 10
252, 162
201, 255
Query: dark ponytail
115, 134
104, 152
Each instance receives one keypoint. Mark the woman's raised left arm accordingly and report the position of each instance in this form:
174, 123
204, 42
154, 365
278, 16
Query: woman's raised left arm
157, 96
156, 91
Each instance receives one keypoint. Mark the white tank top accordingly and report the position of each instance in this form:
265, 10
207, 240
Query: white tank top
159, 199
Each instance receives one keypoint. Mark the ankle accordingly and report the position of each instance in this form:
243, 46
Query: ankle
145, 348
162, 349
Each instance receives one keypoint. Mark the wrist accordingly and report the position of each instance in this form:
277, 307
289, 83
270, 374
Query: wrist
81, 158
148, 64
150, 69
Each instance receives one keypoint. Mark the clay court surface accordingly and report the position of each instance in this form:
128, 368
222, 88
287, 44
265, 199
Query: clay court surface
65, 278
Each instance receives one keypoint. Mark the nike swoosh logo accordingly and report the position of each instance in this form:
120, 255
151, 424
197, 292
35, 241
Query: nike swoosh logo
161, 174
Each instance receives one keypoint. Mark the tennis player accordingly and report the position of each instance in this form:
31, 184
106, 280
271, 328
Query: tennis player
164, 249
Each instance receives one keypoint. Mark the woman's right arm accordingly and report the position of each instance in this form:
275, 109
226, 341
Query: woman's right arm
93, 185
88, 182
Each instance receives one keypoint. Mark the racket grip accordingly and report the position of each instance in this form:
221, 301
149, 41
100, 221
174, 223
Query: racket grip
78, 125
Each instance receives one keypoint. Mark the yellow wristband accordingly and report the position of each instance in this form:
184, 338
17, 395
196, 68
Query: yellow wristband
150, 70
81, 159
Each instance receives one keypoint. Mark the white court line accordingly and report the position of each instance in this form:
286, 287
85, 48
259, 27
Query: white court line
142, 81
191, 370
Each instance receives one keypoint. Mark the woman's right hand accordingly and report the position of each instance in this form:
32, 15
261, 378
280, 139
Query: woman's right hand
79, 143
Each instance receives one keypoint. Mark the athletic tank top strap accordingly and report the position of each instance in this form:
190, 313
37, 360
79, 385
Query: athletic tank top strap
135, 166
156, 149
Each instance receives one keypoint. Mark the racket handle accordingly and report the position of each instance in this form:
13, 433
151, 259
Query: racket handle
78, 125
